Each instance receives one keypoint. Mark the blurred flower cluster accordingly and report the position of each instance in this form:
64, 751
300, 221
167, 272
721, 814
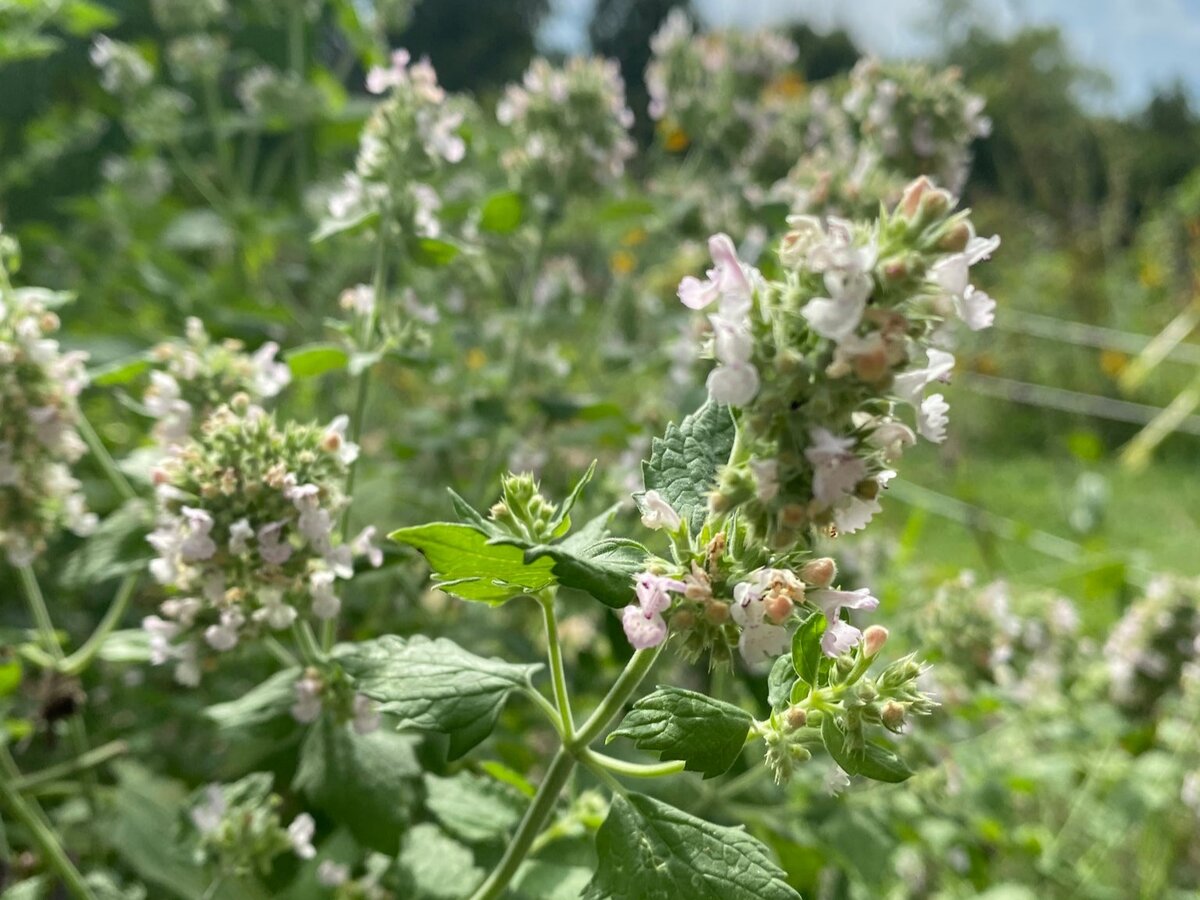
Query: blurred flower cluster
238, 828
412, 135
39, 429
246, 536
568, 126
194, 376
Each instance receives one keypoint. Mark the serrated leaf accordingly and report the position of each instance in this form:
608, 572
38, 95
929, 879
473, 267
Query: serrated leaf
311, 360
872, 761
501, 213
433, 866
367, 782
472, 808
117, 547
260, 704
707, 734
684, 462
604, 569
468, 564
806, 648
651, 851
435, 685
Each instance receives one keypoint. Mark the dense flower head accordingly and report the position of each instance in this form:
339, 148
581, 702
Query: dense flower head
246, 533
39, 436
193, 376
704, 89
917, 119
831, 370
1153, 644
1023, 644
568, 125
413, 135
237, 827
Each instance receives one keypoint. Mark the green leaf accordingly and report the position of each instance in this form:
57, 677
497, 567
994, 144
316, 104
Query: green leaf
501, 213
259, 705
367, 782
465, 563
469, 515
122, 371
432, 866
561, 523
604, 569
329, 227
311, 360
435, 685
473, 808
648, 850
81, 18
707, 734
117, 547
542, 880
10, 676
806, 648
684, 462
433, 253
779, 683
872, 761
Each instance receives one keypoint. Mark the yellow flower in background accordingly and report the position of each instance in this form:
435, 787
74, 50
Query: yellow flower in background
622, 262
476, 359
633, 237
787, 85
1151, 274
674, 138
1113, 362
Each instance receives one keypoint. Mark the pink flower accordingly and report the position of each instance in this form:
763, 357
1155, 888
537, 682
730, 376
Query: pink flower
840, 636
643, 622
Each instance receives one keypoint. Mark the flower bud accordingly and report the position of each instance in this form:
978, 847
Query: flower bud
955, 238
778, 608
683, 620
717, 612
910, 200
796, 717
819, 572
873, 640
893, 715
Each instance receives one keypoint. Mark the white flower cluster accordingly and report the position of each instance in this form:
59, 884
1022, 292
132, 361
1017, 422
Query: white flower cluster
1154, 643
39, 437
412, 135
123, 70
705, 89
917, 119
238, 827
846, 338
314, 695
569, 125
246, 533
194, 376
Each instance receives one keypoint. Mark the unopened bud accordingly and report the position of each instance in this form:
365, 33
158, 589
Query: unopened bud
867, 489
873, 640
717, 612
956, 238
796, 717
895, 270
683, 620
910, 200
239, 402
778, 608
819, 572
893, 715
793, 515
498, 511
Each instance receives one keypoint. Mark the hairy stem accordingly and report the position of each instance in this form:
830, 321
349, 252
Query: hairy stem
570, 753
29, 814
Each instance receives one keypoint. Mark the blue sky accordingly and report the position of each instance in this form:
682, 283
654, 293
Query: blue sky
1140, 43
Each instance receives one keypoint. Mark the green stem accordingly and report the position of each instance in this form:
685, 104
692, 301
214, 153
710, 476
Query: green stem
82, 658
547, 707
310, 650
104, 458
41, 615
90, 760
557, 672
531, 824
630, 769
29, 814
366, 340
560, 770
